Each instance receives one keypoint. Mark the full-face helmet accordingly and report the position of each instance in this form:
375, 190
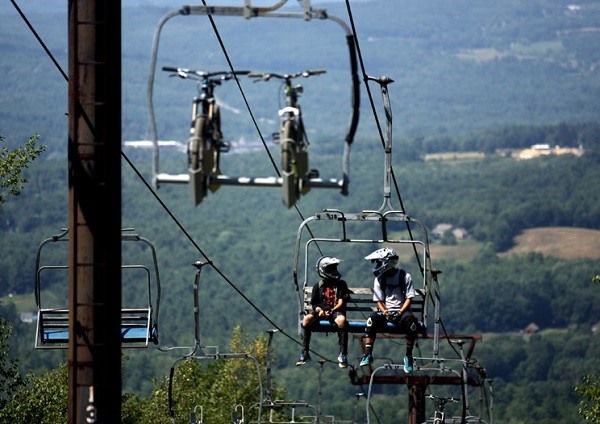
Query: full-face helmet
383, 260
327, 267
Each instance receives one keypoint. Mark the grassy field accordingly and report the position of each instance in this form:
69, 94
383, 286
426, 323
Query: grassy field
560, 242
463, 252
453, 156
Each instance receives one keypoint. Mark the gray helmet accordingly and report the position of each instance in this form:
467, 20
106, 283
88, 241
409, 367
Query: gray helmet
383, 260
327, 267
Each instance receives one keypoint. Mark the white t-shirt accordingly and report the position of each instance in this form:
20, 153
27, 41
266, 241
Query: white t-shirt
396, 291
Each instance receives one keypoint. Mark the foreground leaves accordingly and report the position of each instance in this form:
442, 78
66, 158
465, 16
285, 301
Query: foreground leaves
12, 163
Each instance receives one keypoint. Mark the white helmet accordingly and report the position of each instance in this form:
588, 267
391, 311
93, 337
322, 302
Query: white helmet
327, 267
383, 260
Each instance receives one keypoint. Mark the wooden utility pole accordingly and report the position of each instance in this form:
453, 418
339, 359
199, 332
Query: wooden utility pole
94, 145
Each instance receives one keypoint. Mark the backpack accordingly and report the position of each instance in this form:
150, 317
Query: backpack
401, 280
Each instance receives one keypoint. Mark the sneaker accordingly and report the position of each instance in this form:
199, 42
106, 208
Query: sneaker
303, 358
408, 364
367, 359
343, 360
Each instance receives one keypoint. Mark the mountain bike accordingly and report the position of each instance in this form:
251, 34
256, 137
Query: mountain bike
439, 416
292, 135
206, 142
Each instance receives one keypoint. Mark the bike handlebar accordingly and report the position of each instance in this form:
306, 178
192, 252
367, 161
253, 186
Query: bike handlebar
443, 399
196, 74
266, 76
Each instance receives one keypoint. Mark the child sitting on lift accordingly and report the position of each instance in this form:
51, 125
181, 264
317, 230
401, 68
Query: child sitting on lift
328, 300
393, 291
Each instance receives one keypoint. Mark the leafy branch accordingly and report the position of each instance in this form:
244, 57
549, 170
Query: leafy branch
12, 163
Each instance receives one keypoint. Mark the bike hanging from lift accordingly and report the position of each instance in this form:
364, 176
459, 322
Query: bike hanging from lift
293, 184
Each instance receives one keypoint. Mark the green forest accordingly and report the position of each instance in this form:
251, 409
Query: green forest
490, 294
489, 79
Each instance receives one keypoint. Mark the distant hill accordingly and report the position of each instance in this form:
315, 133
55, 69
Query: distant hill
457, 67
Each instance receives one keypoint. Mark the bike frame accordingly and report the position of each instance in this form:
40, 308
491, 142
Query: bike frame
293, 142
206, 127
295, 172
206, 142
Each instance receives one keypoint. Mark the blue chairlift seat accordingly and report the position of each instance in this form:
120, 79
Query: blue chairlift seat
53, 328
358, 309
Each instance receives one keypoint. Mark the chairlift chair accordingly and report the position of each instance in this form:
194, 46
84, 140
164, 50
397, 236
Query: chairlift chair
139, 322
197, 352
378, 229
288, 407
215, 180
369, 229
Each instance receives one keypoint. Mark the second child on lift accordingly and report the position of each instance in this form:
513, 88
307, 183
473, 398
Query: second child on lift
393, 292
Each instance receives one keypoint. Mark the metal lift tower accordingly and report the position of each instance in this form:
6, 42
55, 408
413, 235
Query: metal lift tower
94, 39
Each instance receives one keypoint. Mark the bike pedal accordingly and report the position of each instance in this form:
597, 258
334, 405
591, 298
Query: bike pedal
223, 146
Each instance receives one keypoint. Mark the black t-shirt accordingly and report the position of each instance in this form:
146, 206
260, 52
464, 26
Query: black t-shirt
326, 293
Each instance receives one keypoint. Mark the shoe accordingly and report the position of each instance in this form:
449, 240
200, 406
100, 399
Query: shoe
343, 360
303, 358
408, 364
367, 359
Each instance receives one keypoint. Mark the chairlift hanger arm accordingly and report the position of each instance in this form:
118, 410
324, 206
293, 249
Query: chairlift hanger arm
383, 82
58, 237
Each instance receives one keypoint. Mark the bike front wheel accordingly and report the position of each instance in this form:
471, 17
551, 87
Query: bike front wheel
196, 143
288, 145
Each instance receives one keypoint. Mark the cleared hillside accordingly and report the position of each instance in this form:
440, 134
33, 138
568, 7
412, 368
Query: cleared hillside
561, 242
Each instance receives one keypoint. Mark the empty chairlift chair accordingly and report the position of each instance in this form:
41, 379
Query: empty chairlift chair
139, 320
